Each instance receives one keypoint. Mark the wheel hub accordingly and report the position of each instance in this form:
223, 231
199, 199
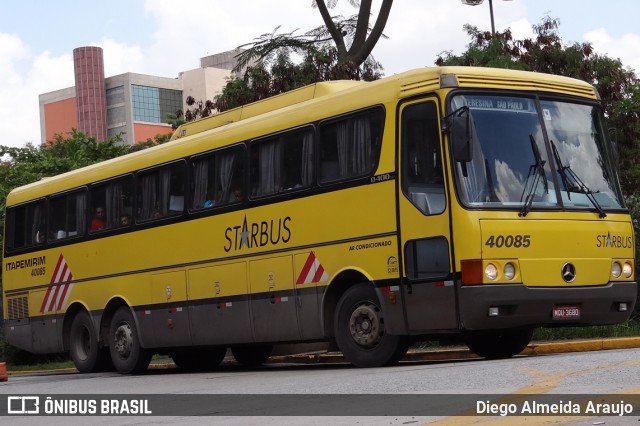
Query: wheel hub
365, 326
123, 340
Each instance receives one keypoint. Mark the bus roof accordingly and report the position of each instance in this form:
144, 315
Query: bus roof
282, 100
302, 105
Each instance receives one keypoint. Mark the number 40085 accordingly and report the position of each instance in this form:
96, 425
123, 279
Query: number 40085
516, 241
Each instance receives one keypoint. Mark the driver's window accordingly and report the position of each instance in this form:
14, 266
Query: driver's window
422, 178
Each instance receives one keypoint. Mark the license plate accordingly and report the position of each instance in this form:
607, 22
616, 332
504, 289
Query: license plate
566, 312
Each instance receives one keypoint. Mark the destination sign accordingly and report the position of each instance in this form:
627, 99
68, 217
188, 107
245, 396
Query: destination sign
500, 103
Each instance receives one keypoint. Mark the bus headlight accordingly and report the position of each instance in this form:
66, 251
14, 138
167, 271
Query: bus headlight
491, 272
509, 271
627, 270
616, 270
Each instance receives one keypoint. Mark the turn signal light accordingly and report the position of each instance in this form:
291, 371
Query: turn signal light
472, 272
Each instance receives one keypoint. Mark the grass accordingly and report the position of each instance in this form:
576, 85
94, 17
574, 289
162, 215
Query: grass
630, 328
43, 366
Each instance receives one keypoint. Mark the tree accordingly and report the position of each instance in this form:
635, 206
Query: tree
619, 87
175, 120
341, 49
158, 139
265, 80
353, 39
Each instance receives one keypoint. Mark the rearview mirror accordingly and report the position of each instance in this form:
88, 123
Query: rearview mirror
462, 133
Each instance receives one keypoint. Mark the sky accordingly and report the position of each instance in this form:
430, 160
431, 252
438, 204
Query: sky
166, 37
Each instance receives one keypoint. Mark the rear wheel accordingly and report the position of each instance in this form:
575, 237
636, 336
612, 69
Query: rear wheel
198, 359
360, 330
124, 344
252, 356
499, 344
84, 349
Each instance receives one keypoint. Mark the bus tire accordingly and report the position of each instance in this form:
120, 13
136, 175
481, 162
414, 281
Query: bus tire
252, 356
359, 330
198, 359
127, 355
84, 348
499, 344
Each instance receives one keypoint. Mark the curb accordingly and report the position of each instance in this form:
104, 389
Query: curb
536, 348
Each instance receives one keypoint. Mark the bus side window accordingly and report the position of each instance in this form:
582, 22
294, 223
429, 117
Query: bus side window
422, 179
111, 204
282, 163
217, 179
25, 225
161, 192
67, 215
349, 147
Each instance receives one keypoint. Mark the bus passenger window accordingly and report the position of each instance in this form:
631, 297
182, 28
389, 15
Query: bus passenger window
282, 163
217, 180
25, 225
67, 216
422, 179
111, 201
349, 146
161, 192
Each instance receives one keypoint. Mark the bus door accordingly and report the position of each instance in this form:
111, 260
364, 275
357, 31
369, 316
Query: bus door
428, 287
273, 299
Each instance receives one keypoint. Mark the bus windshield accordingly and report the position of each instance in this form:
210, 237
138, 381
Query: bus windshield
536, 154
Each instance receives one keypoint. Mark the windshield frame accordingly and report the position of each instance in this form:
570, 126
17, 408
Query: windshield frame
550, 192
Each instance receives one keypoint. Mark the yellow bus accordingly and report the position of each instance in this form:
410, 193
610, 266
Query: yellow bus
474, 202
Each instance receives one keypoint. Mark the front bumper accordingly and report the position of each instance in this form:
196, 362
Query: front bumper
523, 306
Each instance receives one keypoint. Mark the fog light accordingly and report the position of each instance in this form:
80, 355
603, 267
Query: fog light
494, 311
622, 307
491, 271
616, 270
509, 271
627, 270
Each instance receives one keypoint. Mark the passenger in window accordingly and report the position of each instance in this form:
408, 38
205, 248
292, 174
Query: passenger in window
209, 201
98, 222
125, 220
237, 195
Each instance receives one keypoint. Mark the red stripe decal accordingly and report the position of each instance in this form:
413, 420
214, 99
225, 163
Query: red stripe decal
306, 268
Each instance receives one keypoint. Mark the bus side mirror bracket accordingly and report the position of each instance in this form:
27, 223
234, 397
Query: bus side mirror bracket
462, 133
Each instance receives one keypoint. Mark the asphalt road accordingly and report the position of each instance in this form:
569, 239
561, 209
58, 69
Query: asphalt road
439, 387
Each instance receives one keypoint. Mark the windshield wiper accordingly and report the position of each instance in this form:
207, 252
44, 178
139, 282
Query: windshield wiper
572, 183
537, 170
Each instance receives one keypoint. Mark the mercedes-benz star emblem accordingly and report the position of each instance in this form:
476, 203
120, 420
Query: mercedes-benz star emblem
568, 272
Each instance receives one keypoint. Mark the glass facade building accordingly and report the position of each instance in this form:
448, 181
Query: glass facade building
152, 104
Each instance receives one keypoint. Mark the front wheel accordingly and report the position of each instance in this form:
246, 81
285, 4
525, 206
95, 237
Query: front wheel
124, 344
360, 331
499, 344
